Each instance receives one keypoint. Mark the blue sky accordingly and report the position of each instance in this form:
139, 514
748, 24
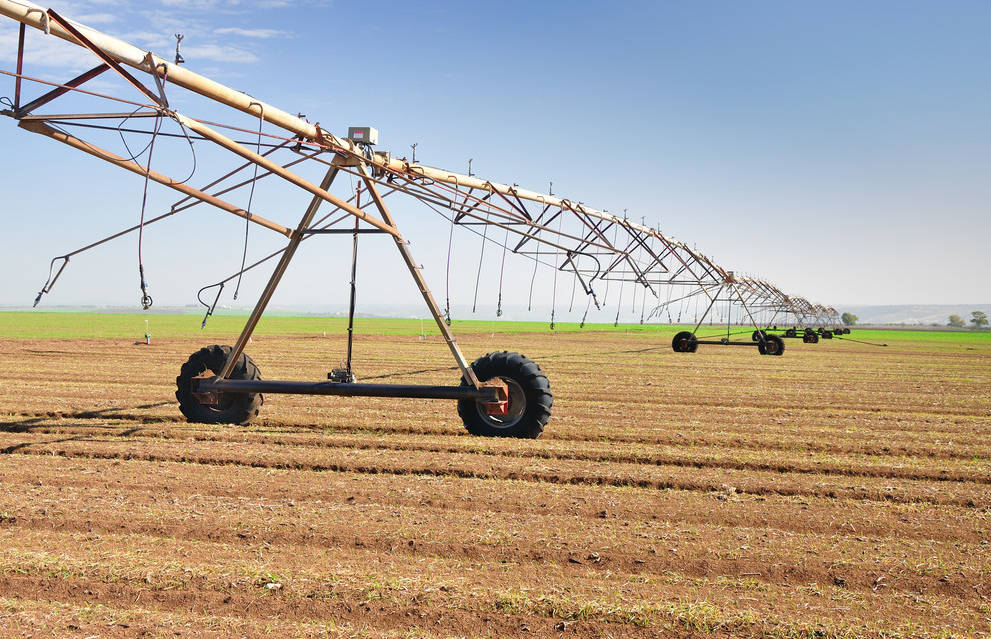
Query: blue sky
840, 150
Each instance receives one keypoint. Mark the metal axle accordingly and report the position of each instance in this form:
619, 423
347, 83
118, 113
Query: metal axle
217, 385
722, 343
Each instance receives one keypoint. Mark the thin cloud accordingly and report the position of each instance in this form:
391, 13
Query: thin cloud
218, 53
46, 51
95, 18
151, 26
225, 5
148, 39
252, 33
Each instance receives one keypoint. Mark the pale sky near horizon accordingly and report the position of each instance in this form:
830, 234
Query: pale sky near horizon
840, 150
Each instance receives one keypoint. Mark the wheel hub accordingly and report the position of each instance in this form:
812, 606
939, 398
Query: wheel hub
205, 398
500, 406
513, 407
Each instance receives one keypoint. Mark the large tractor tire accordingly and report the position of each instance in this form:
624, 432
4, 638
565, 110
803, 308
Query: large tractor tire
231, 408
685, 342
530, 398
772, 345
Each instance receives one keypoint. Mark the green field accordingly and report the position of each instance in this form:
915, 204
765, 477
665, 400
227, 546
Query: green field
60, 325
37, 325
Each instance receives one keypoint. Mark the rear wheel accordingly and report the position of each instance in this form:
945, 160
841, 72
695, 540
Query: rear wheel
530, 398
685, 342
772, 345
230, 408
791, 333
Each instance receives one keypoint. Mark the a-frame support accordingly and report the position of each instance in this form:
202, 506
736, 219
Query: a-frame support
488, 392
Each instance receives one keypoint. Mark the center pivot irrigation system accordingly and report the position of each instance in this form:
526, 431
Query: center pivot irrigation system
501, 394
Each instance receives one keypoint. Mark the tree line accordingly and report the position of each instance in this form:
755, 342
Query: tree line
978, 318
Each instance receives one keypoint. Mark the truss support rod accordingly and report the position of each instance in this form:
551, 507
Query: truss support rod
20, 66
34, 15
90, 116
176, 208
277, 274
289, 176
108, 60
745, 308
56, 92
709, 308
36, 126
310, 232
354, 294
508, 227
421, 283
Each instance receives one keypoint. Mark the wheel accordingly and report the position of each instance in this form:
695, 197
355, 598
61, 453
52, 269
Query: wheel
772, 345
530, 398
827, 334
814, 338
231, 408
685, 342
807, 338
791, 333
846, 331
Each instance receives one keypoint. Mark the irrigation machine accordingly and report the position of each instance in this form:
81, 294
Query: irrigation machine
499, 394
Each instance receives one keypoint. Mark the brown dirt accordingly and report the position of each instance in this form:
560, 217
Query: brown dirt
841, 490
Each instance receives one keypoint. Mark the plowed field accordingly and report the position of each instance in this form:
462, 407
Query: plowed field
840, 490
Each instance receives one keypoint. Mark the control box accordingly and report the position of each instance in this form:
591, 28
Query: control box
363, 135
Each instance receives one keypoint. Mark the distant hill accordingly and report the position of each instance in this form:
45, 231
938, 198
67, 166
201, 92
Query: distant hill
913, 314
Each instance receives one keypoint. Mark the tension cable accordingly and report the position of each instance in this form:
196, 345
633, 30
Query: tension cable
251, 195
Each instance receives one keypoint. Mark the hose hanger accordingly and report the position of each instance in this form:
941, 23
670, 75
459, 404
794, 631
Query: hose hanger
50, 282
450, 247
556, 269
